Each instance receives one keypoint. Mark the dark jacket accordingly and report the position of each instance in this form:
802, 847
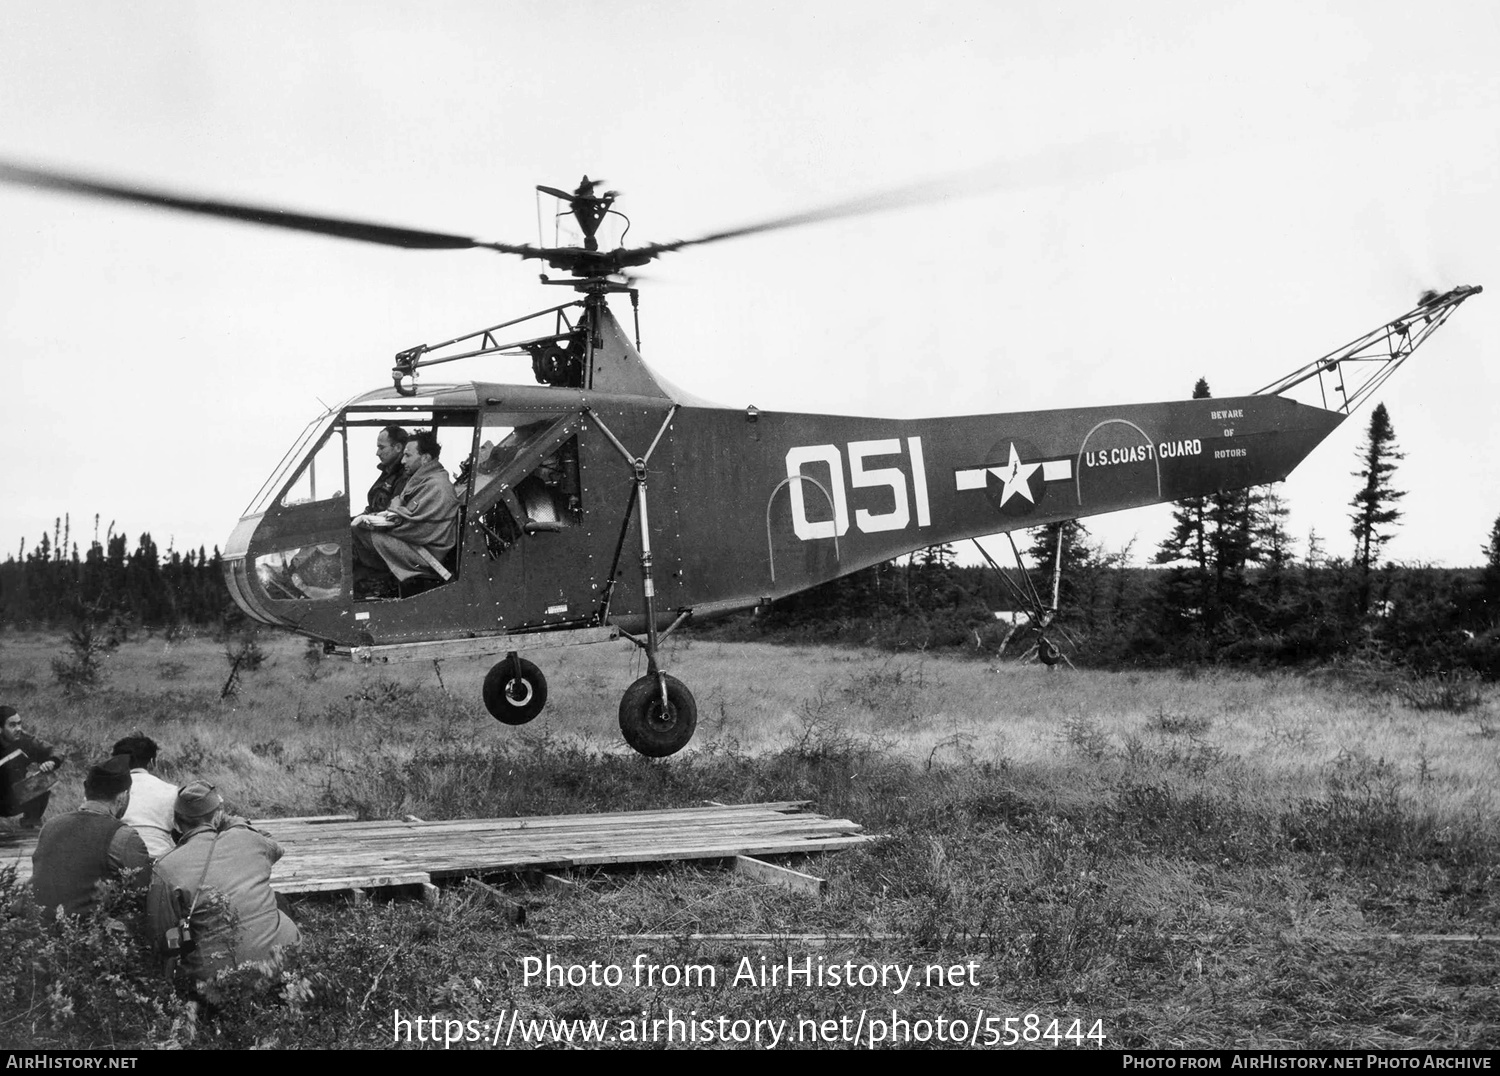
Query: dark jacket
76, 852
13, 769
391, 481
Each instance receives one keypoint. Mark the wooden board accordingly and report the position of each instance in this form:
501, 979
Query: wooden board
779, 876
331, 854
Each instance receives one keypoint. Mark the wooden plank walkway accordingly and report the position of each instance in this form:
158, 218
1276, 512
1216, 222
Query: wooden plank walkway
329, 855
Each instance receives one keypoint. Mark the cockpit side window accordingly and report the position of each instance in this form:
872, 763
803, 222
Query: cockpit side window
408, 539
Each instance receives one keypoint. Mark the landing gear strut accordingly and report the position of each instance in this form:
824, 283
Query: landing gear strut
515, 690
657, 713
1041, 616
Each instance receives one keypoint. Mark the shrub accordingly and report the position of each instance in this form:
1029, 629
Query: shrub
1455, 692
88, 644
1178, 723
85, 983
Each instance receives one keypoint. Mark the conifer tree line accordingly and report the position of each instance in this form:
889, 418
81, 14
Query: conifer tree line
55, 583
1228, 584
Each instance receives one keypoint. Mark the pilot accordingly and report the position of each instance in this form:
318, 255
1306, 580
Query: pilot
389, 447
411, 537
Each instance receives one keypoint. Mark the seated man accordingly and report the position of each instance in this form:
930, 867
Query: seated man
77, 851
18, 749
151, 798
389, 447
211, 905
411, 537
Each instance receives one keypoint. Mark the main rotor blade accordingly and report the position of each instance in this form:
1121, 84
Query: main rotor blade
363, 231
1085, 161
880, 202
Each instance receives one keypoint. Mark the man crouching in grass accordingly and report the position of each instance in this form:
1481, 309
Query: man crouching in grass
78, 851
211, 906
19, 749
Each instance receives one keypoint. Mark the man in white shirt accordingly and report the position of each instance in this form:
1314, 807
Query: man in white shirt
151, 799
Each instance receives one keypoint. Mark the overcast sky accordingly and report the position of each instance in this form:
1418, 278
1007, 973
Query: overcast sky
1174, 191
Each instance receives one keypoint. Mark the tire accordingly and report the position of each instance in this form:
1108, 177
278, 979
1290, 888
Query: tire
514, 700
646, 728
1047, 651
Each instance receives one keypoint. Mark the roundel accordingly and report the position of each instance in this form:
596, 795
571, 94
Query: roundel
1014, 482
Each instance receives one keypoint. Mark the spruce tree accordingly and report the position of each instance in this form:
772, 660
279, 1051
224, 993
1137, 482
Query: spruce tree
1274, 540
1273, 590
1078, 566
1374, 505
1490, 580
1235, 522
935, 585
1185, 592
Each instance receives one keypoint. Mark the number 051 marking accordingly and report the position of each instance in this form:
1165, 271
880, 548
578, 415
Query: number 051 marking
861, 476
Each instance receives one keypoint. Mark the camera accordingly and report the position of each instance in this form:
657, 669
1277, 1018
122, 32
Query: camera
180, 937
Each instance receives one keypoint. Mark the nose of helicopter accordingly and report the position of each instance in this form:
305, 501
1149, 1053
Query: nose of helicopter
239, 576
289, 567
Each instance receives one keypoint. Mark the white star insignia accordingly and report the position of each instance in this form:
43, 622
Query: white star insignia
1016, 476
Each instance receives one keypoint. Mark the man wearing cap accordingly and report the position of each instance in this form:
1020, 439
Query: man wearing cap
152, 800
18, 749
211, 905
75, 852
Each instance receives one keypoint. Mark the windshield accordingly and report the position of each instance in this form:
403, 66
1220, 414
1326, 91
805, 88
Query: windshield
310, 437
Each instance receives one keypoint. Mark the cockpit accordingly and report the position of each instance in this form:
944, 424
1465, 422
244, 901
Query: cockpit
513, 468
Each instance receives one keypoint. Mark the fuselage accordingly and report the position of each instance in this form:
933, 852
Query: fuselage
743, 505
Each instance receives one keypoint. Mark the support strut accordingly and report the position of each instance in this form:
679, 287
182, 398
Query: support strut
638, 474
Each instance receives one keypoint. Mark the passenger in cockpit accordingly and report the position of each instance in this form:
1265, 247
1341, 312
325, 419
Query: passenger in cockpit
420, 528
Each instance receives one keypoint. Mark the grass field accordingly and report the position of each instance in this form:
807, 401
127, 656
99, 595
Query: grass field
1216, 860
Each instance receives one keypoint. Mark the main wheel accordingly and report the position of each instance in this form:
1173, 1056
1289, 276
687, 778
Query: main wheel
653, 731
512, 698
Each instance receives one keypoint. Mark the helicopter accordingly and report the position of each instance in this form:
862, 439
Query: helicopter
602, 502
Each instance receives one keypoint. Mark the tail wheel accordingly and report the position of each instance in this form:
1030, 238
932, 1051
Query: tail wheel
1047, 651
653, 730
514, 691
